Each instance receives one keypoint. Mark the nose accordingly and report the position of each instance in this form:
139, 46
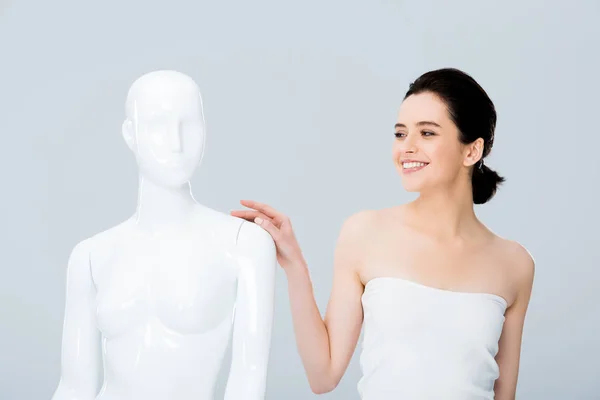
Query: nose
409, 144
174, 138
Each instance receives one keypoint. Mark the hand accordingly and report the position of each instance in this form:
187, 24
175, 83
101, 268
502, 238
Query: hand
280, 229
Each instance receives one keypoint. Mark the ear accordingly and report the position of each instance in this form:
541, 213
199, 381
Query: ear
474, 152
128, 134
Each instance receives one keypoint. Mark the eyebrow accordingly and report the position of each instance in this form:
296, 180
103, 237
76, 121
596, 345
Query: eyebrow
420, 123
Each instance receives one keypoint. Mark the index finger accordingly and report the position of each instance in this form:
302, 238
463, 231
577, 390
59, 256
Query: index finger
264, 208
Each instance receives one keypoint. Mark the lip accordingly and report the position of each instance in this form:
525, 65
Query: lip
412, 170
411, 160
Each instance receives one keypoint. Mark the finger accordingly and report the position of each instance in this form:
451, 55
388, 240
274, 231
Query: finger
269, 227
265, 209
250, 215
244, 213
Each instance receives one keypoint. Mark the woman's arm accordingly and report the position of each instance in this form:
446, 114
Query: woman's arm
509, 352
81, 351
325, 345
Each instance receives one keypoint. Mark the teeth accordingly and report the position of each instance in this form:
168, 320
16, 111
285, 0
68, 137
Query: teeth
408, 165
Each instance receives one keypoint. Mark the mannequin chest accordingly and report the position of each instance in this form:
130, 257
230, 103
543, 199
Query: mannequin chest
186, 284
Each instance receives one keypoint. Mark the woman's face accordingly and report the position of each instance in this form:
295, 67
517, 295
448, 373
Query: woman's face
427, 151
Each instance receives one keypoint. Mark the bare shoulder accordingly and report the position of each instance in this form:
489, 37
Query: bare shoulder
520, 258
519, 262
357, 231
359, 224
363, 227
353, 232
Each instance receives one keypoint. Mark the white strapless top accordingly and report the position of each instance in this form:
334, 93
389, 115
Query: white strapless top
421, 342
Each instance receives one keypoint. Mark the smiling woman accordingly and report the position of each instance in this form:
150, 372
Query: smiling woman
442, 106
441, 297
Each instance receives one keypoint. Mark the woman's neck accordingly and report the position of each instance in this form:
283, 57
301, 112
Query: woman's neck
161, 208
446, 214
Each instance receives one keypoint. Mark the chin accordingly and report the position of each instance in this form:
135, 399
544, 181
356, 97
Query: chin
412, 185
175, 182
412, 188
171, 181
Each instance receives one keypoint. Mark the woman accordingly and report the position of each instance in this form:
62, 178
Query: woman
443, 299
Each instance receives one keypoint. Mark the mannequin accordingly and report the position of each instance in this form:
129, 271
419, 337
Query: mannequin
152, 303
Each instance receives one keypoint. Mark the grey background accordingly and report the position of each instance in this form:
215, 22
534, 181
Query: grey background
300, 100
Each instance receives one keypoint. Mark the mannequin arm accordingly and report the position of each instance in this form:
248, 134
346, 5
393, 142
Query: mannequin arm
253, 314
81, 351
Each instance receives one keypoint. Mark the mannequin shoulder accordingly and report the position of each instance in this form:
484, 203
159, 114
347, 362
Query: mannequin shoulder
244, 234
79, 265
81, 252
256, 247
104, 239
88, 255
251, 235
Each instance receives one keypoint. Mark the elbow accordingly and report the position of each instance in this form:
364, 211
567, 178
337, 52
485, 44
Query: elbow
323, 386
322, 389
323, 380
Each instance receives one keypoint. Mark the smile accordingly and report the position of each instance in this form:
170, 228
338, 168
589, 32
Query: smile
412, 166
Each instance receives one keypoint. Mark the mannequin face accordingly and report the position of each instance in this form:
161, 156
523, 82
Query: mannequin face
165, 127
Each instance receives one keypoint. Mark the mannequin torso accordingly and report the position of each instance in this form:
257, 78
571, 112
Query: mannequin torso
154, 301
171, 298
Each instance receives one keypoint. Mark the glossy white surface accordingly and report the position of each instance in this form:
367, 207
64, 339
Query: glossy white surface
152, 303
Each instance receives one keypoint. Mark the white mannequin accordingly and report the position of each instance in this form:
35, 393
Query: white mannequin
150, 302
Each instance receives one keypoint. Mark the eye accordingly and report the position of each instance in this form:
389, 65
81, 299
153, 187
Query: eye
428, 133
399, 135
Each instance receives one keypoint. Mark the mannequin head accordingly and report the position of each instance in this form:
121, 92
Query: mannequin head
164, 127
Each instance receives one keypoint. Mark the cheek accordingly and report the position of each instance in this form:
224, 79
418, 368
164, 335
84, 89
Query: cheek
440, 155
193, 154
145, 152
153, 150
396, 151
447, 159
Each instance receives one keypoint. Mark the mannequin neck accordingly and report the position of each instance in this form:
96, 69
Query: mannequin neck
162, 209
